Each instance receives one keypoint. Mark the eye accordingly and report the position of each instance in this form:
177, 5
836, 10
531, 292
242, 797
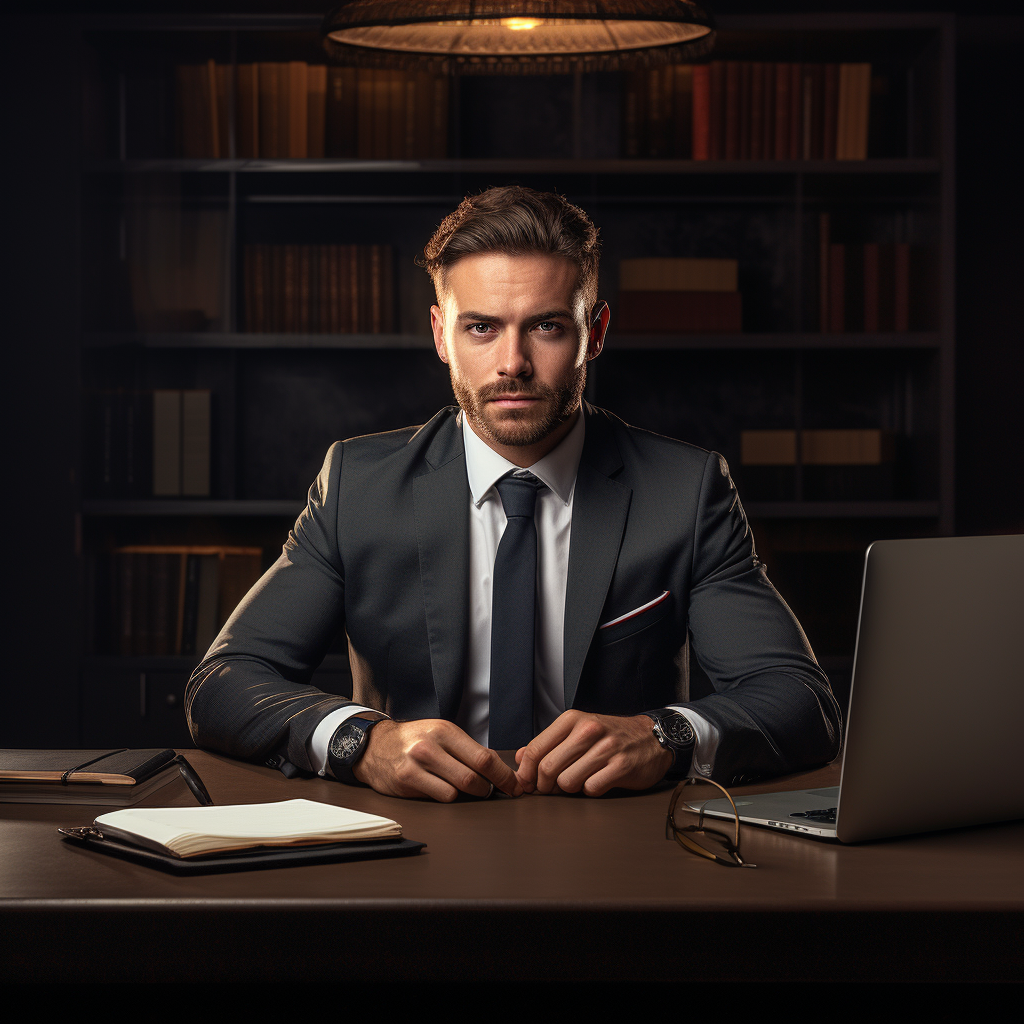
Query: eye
548, 327
479, 329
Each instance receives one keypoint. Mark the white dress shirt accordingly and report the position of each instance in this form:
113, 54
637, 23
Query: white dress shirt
553, 519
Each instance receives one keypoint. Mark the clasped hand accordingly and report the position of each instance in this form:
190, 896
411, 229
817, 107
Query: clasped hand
579, 751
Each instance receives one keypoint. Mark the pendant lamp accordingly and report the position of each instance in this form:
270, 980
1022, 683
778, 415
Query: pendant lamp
517, 36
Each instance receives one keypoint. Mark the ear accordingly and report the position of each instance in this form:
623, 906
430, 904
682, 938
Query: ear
437, 327
598, 328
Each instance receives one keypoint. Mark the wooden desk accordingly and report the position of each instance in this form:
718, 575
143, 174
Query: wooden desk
589, 888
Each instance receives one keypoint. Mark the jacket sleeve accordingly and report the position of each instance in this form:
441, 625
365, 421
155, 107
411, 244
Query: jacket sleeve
250, 696
773, 706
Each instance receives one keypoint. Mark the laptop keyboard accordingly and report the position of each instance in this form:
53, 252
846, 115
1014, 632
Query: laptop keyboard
826, 815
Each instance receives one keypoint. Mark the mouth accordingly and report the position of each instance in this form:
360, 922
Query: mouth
513, 401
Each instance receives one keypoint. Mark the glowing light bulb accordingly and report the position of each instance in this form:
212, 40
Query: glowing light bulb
519, 24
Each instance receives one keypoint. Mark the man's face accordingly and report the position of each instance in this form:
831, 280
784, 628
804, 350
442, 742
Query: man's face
516, 336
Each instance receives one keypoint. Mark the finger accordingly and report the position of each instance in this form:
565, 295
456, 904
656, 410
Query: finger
587, 741
540, 746
484, 768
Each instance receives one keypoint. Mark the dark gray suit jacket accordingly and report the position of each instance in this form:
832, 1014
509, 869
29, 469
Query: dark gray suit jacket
382, 551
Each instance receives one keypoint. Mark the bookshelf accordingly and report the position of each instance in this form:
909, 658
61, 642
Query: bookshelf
280, 397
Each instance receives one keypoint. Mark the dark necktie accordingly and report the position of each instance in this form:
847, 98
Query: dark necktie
513, 600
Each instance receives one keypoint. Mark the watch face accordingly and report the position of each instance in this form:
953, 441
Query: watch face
677, 730
346, 741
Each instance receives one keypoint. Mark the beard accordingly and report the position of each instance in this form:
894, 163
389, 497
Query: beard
519, 428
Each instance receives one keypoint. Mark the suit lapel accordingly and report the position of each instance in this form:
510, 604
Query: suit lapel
441, 510
600, 506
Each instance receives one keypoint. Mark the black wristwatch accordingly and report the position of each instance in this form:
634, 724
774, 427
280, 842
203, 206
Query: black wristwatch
347, 745
675, 734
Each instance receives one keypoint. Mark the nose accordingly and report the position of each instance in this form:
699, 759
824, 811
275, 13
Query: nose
514, 355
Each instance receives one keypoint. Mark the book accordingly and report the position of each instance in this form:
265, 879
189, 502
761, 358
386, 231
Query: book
839, 447
113, 778
678, 274
185, 832
173, 599
680, 312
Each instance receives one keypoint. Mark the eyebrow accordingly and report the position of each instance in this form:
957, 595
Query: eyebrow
550, 314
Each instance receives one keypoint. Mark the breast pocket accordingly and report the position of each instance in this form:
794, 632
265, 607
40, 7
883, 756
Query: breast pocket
636, 620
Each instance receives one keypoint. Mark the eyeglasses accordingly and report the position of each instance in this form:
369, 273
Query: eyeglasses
686, 822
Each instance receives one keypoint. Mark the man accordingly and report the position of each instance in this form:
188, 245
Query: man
486, 608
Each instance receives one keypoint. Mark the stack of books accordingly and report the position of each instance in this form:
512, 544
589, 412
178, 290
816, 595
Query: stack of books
171, 600
749, 110
296, 110
147, 444
679, 296
872, 287
319, 289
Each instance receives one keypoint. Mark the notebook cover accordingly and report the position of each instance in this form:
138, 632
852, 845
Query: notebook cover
251, 860
136, 764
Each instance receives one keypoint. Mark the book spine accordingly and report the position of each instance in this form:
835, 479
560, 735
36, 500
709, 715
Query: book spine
871, 287
701, 141
782, 111
316, 110
269, 111
166, 443
298, 109
757, 110
247, 100
745, 117
836, 287
682, 112
340, 116
195, 446
830, 111
824, 241
732, 110
796, 111
901, 311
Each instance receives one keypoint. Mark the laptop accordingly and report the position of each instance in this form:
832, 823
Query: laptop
935, 727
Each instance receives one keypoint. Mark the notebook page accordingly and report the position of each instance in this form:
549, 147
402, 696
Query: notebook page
277, 820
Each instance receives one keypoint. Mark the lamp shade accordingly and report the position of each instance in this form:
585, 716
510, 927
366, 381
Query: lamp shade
528, 36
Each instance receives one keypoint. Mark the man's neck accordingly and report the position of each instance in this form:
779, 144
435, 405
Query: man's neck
525, 456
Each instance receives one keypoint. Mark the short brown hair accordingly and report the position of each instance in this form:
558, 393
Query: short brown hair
516, 221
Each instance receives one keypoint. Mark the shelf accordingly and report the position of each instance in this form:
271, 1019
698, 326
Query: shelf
561, 166
211, 339
842, 509
190, 507
617, 342
641, 342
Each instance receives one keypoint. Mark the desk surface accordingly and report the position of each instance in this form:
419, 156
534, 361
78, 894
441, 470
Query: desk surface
592, 886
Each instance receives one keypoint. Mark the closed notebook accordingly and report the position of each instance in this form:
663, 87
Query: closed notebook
111, 777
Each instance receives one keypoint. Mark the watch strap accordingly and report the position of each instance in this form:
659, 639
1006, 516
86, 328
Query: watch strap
682, 748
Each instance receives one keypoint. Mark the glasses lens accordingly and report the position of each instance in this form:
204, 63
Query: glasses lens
704, 816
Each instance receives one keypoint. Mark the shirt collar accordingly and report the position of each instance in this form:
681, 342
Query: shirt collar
484, 466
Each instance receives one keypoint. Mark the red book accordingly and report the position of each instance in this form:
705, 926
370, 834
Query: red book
745, 109
732, 110
702, 112
717, 135
665, 312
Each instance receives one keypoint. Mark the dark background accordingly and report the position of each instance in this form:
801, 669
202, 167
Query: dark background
42, 138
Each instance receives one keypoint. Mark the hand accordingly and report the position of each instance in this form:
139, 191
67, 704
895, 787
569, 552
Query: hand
431, 758
593, 753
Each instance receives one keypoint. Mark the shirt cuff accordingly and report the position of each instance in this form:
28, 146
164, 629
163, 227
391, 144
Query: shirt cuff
321, 738
706, 736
